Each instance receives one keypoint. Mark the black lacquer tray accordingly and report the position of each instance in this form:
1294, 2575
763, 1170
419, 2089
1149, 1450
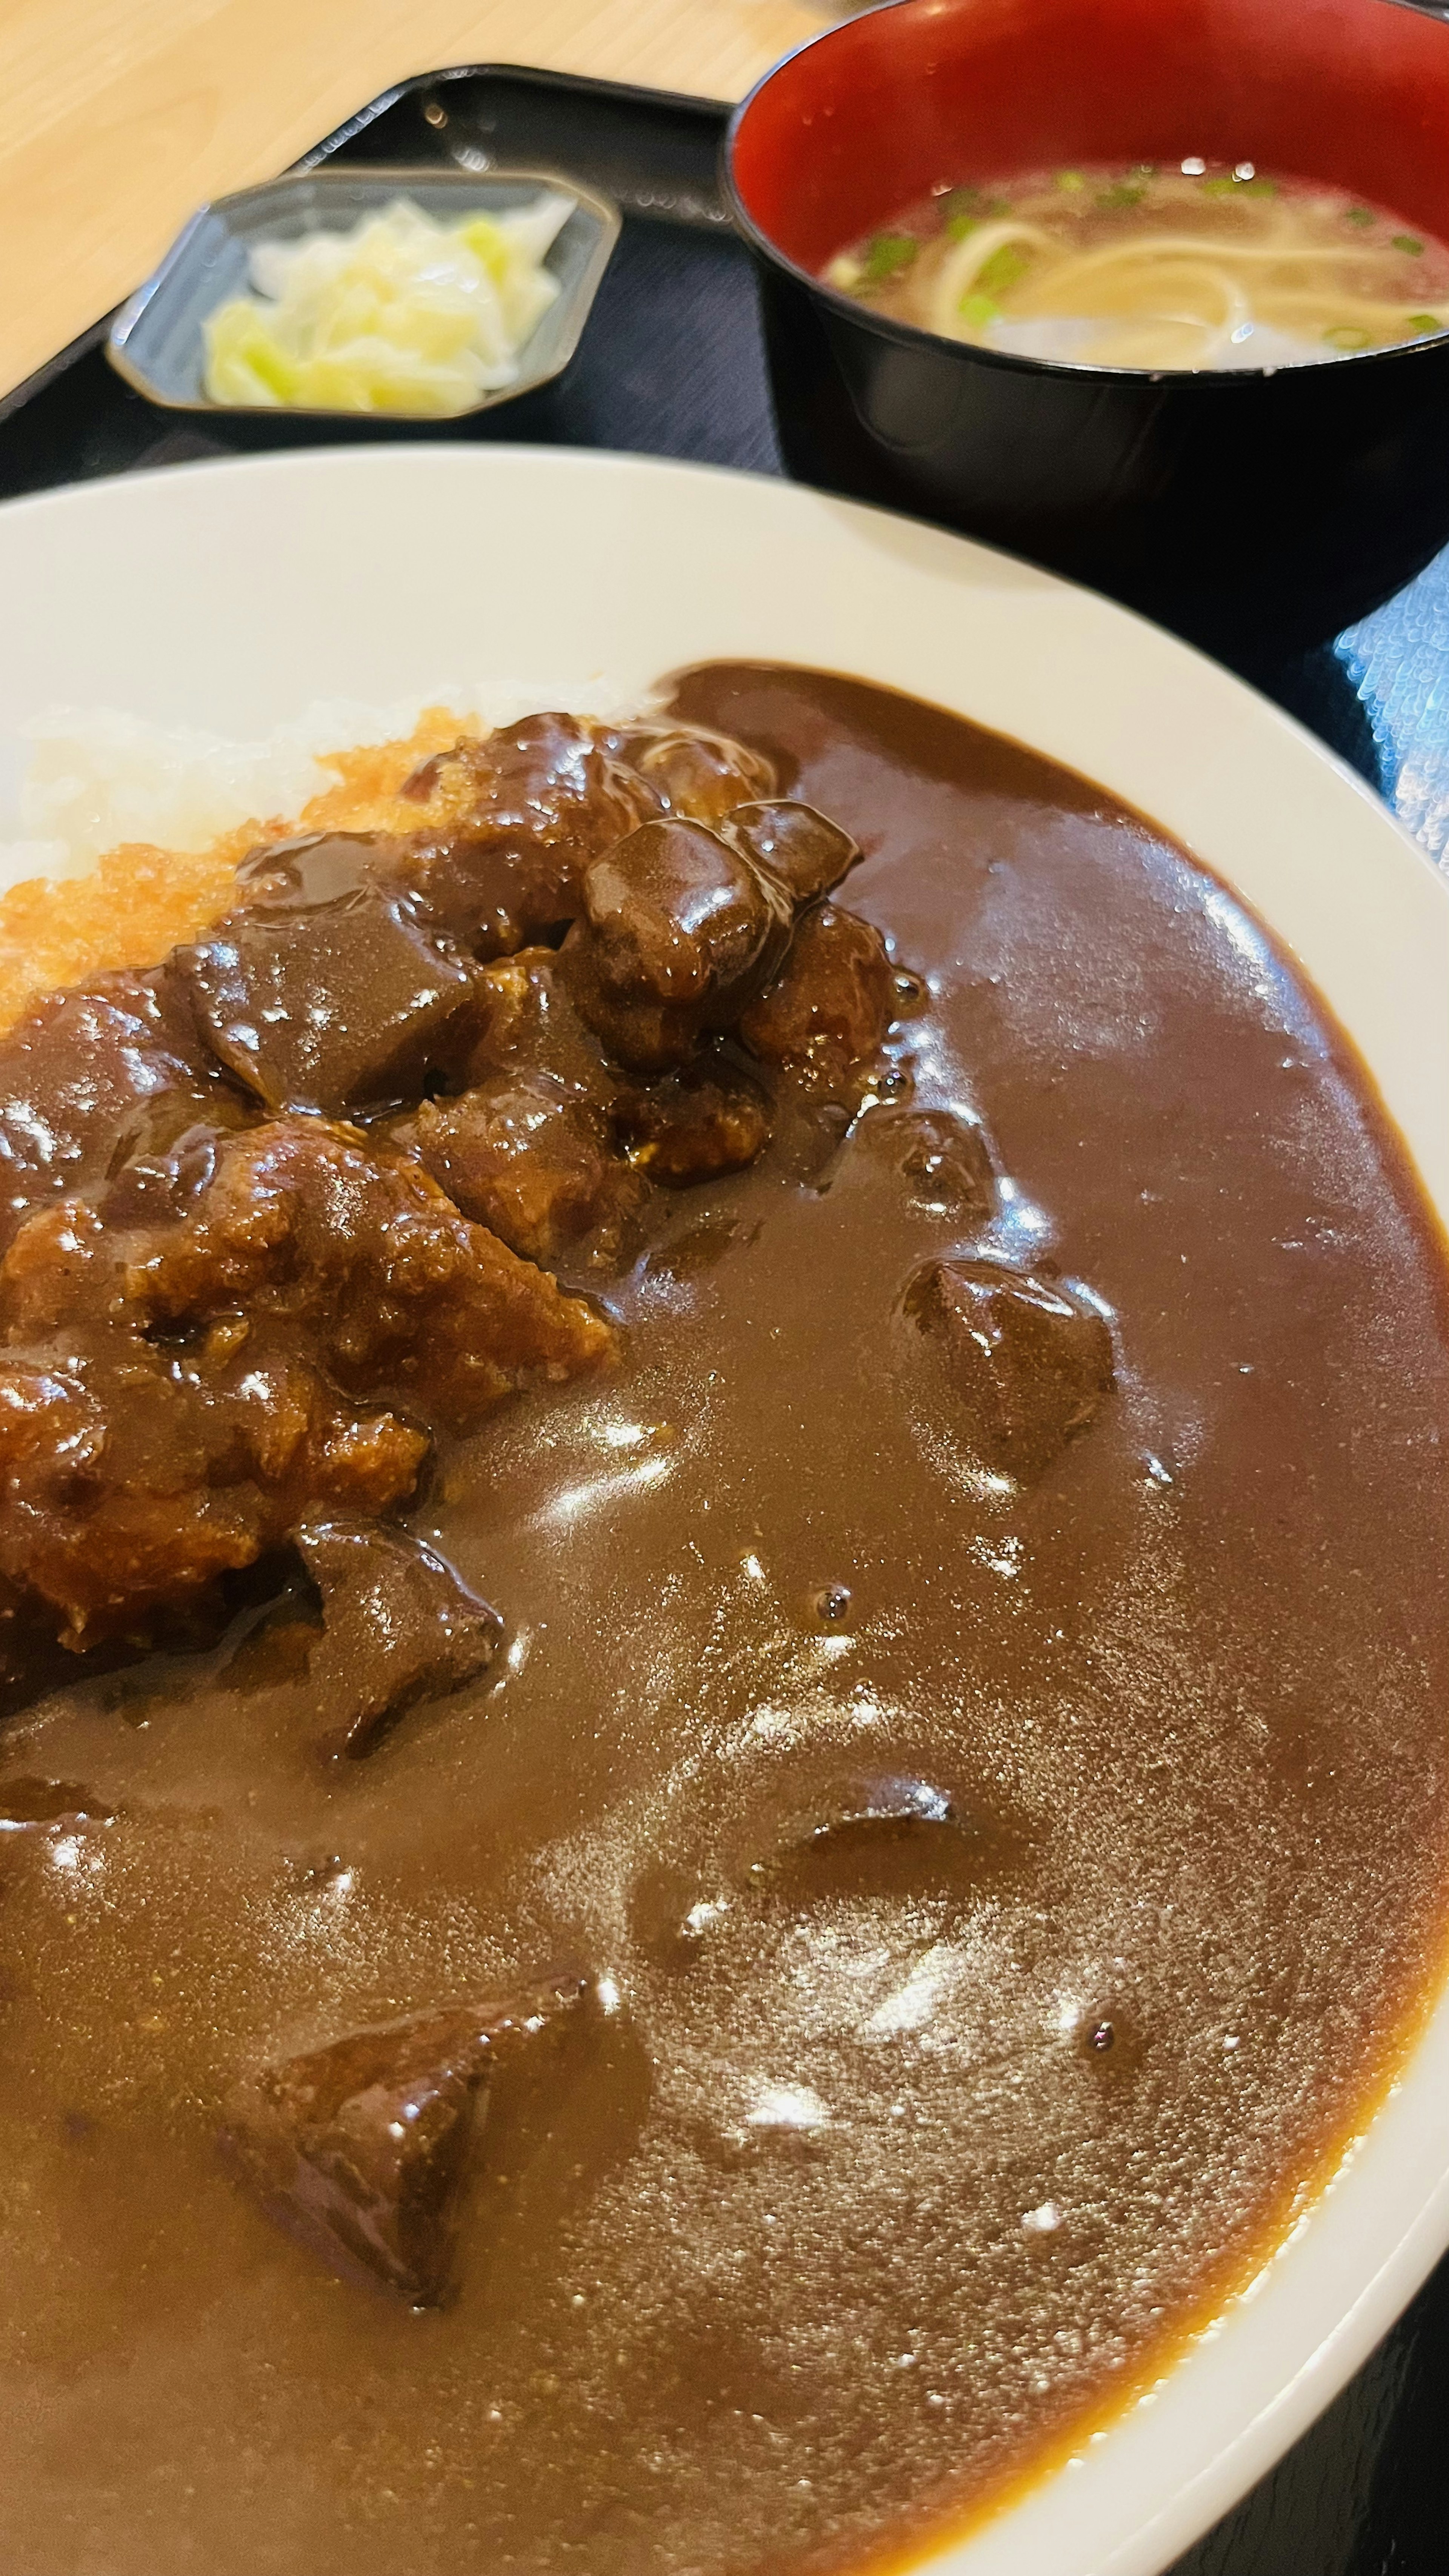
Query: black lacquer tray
672, 364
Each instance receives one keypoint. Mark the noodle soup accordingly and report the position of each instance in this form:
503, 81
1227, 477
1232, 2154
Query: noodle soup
1160, 268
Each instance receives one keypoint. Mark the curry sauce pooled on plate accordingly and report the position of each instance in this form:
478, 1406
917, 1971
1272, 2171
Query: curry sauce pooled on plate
724, 1471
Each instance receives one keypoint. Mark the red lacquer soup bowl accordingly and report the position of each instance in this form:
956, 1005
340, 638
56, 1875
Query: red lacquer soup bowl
1257, 512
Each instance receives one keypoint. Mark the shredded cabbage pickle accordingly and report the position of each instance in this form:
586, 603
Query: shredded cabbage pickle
399, 314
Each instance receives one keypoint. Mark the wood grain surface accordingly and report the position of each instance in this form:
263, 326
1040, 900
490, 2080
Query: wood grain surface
118, 117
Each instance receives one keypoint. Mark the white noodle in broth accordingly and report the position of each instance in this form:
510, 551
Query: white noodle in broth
1151, 268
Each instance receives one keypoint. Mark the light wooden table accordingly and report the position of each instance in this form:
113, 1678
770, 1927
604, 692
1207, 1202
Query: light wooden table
117, 117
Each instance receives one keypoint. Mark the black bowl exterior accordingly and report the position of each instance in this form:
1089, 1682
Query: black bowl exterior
1255, 514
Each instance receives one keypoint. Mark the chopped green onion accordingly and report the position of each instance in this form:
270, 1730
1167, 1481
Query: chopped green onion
1001, 271
1409, 242
1363, 216
1125, 193
1426, 322
965, 208
1144, 170
1348, 335
1230, 184
886, 256
978, 310
1071, 180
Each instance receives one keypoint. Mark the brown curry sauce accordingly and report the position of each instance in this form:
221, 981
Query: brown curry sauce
905, 1813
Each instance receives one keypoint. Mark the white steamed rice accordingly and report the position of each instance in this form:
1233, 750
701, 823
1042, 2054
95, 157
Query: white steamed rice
96, 777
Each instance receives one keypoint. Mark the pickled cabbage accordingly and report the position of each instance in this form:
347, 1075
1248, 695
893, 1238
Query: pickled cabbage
399, 314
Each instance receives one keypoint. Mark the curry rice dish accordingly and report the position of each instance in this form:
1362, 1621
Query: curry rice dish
723, 1554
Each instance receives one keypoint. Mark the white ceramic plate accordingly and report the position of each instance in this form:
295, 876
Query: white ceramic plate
232, 596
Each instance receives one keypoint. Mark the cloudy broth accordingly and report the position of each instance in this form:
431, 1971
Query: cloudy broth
1192, 266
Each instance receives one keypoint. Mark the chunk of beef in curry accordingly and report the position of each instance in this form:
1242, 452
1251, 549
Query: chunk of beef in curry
528, 1147
228, 1316
175, 1397
523, 813
94, 1075
359, 2149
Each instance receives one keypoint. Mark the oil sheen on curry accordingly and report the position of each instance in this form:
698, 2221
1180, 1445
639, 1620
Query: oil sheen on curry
724, 1477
